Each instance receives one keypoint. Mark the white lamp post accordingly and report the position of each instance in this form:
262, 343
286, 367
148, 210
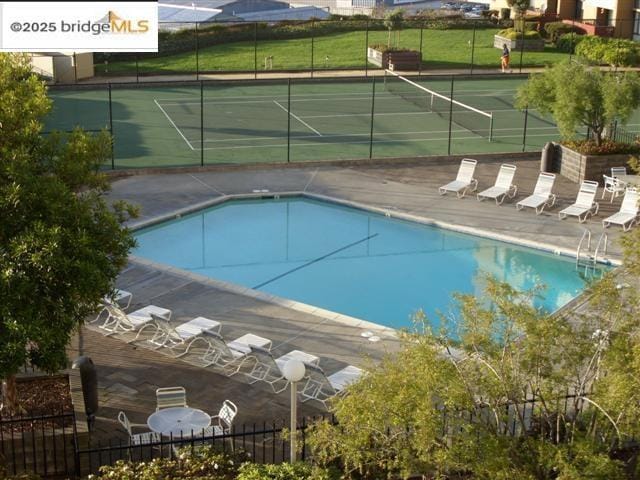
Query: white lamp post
294, 372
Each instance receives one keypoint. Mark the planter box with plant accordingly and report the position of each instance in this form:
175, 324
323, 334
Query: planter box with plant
529, 40
394, 57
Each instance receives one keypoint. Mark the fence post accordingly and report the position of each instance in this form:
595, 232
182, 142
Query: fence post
137, 69
113, 160
450, 117
373, 105
255, 50
197, 55
473, 46
313, 26
289, 120
201, 123
420, 62
524, 130
522, 46
366, 49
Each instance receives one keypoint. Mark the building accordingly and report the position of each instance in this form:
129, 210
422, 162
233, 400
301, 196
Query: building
63, 67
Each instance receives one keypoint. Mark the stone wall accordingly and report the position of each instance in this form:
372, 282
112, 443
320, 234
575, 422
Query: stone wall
535, 44
577, 167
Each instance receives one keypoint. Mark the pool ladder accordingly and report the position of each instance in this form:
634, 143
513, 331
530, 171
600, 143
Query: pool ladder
588, 259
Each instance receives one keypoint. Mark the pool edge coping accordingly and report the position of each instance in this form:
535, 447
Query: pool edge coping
312, 309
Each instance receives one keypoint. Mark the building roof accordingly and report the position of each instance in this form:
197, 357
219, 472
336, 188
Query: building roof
300, 13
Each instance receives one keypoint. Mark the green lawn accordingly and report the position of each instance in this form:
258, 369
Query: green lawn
441, 49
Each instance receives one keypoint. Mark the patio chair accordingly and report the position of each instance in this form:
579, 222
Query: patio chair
167, 397
322, 388
221, 424
617, 171
269, 370
613, 186
144, 438
503, 187
464, 180
585, 204
628, 214
231, 356
542, 195
116, 298
183, 336
120, 322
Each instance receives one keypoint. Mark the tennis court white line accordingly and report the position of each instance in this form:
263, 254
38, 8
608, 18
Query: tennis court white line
367, 134
241, 147
174, 125
298, 118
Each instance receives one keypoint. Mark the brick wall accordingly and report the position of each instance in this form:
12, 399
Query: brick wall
577, 167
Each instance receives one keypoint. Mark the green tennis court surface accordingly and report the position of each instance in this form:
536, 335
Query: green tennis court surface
329, 120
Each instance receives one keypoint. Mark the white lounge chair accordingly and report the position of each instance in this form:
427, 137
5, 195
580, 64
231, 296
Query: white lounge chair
167, 397
613, 186
269, 370
628, 214
503, 187
120, 322
464, 180
322, 388
231, 356
542, 195
143, 438
183, 336
585, 204
120, 298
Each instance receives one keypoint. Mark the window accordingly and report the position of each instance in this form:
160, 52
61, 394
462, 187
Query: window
636, 23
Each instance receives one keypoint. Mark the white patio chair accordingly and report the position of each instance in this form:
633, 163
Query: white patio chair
503, 187
464, 180
322, 388
613, 186
231, 356
617, 171
167, 397
143, 438
270, 370
628, 214
117, 297
120, 322
585, 204
183, 336
542, 194
223, 426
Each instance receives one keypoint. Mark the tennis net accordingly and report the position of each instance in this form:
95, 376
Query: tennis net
466, 116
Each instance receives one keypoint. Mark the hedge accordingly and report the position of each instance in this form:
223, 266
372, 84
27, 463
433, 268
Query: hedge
513, 34
616, 52
555, 30
567, 43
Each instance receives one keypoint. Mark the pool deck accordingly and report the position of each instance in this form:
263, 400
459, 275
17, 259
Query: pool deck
129, 374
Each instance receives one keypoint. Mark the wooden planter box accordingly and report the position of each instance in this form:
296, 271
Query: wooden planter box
578, 167
528, 44
394, 60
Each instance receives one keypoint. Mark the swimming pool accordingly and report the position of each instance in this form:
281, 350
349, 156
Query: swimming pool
347, 260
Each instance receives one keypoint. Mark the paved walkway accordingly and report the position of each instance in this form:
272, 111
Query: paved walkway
129, 374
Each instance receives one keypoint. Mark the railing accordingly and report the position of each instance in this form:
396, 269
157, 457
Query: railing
586, 236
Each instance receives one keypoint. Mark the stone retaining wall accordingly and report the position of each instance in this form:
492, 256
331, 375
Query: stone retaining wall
578, 167
529, 44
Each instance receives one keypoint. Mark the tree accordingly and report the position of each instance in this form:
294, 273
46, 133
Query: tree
576, 95
394, 21
439, 406
520, 7
61, 245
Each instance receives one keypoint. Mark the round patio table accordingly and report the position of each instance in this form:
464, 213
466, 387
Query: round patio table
179, 421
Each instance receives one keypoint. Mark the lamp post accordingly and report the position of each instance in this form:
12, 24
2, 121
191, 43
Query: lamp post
294, 372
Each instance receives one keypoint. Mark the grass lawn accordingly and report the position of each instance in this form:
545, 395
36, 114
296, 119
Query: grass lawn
440, 49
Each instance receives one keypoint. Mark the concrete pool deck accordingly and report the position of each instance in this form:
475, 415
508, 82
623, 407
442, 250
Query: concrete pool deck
129, 374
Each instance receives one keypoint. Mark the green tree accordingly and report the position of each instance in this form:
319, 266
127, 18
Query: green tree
576, 95
393, 21
520, 7
438, 406
61, 245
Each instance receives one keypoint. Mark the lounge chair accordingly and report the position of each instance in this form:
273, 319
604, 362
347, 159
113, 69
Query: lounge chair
613, 186
585, 204
231, 356
542, 195
167, 397
269, 370
322, 388
118, 298
464, 180
628, 214
503, 187
182, 336
120, 322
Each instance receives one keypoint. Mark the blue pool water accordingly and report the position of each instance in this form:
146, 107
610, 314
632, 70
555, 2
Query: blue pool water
347, 260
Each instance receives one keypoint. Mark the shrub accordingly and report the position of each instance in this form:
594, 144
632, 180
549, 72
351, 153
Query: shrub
555, 30
567, 43
607, 147
383, 47
614, 52
283, 471
512, 34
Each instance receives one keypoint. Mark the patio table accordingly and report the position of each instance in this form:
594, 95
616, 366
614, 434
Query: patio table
629, 180
179, 421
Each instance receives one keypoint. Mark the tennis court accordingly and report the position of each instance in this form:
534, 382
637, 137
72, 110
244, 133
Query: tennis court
243, 122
